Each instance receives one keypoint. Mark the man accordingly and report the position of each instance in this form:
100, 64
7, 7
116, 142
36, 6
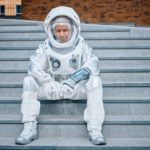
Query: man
63, 67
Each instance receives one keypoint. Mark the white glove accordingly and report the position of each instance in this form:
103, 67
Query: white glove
66, 92
46, 78
52, 89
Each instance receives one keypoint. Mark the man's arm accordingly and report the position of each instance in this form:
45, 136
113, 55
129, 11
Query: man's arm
81, 74
89, 67
38, 63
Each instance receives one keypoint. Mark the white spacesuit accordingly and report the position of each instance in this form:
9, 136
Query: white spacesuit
63, 70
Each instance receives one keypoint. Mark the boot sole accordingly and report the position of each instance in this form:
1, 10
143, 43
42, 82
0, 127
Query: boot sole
28, 142
102, 143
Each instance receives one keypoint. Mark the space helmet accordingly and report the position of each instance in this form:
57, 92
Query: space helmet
62, 15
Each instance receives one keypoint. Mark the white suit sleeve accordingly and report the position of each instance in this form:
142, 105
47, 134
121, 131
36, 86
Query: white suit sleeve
38, 65
90, 60
89, 67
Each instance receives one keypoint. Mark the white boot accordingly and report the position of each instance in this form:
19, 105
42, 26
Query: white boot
97, 137
28, 134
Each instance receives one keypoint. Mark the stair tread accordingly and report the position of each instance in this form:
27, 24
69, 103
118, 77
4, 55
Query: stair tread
78, 119
74, 143
109, 70
88, 37
107, 99
94, 47
85, 27
109, 84
100, 58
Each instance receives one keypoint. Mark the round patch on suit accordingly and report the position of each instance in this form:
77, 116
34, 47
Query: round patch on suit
56, 63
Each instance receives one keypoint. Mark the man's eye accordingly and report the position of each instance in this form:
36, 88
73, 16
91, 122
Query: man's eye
57, 30
65, 30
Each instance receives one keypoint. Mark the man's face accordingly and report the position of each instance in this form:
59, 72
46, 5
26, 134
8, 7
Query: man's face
62, 33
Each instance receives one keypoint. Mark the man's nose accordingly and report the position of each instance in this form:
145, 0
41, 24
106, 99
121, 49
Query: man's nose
61, 33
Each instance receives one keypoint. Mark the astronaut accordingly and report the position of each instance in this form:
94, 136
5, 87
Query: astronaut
63, 67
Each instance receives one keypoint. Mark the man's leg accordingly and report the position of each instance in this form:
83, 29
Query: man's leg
94, 113
30, 109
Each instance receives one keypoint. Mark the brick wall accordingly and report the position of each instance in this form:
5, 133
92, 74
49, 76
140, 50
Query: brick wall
93, 11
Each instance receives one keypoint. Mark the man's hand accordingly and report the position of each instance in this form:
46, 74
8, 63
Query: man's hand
53, 89
66, 91
56, 90
46, 78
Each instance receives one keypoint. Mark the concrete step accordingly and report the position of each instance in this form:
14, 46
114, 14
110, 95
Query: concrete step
103, 64
122, 42
11, 27
134, 31
130, 42
15, 54
107, 84
21, 28
12, 55
16, 22
60, 143
128, 91
111, 100
61, 126
122, 78
101, 53
102, 71
77, 107
124, 64
87, 37
7, 47
140, 32
23, 35
41, 35
125, 77
125, 54
101, 57
103, 28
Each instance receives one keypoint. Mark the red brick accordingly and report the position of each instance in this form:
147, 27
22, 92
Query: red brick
93, 11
